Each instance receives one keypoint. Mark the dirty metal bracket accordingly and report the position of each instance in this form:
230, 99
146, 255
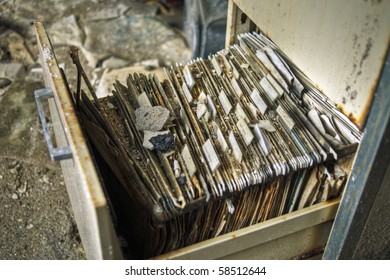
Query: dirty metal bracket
58, 153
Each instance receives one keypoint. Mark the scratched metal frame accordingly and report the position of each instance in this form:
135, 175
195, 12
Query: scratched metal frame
340, 45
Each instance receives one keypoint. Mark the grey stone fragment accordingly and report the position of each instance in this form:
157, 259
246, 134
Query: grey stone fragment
17, 48
103, 14
164, 142
114, 62
4, 82
141, 10
12, 71
151, 134
66, 31
182, 180
145, 36
151, 118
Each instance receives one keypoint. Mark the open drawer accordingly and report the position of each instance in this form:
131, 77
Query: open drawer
284, 237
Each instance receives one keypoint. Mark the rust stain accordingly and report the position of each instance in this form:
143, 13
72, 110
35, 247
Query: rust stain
360, 120
363, 116
350, 116
67, 114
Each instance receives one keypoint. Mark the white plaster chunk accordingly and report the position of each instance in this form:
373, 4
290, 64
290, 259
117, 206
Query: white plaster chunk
151, 118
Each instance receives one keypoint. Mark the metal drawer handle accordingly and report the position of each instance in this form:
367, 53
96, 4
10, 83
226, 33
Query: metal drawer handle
59, 153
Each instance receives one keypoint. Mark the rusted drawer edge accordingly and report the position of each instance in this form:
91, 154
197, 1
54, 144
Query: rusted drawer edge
309, 228
85, 192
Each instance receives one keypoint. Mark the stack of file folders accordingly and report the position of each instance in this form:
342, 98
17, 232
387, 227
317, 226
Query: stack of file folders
217, 145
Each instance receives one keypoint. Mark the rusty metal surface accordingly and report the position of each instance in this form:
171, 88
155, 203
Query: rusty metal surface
83, 186
358, 208
283, 237
339, 45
